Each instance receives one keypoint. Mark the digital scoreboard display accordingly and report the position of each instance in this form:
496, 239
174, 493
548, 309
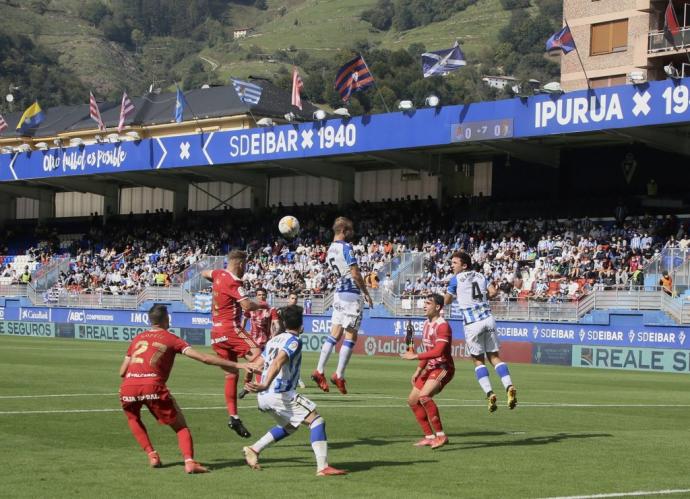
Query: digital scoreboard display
482, 130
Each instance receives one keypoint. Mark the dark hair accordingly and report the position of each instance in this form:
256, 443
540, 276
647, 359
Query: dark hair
261, 290
291, 317
436, 298
237, 255
157, 314
464, 258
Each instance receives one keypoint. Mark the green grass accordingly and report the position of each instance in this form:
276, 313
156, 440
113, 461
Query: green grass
616, 442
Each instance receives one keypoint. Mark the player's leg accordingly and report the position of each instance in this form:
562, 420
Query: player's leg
279, 408
133, 413
184, 441
437, 380
338, 377
251, 356
421, 416
319, 444
237, 345
504, 373
326, 350
474, 342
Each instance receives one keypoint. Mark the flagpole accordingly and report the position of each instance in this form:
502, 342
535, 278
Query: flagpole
376, 85
577, 51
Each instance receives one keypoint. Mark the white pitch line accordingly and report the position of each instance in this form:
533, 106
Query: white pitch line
217, 394
628, 494
329, 406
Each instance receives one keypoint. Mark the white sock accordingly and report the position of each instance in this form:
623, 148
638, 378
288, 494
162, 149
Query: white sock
263, 442
326, 350
321, 453
440, 434
482, 374
344, 357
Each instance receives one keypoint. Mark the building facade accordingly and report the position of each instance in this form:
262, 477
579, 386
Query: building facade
619, 38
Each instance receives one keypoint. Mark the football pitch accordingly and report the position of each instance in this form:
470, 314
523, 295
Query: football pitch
576, 432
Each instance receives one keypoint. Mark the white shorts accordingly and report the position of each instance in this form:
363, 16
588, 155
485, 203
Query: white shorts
481, 337
347, 313
286, 408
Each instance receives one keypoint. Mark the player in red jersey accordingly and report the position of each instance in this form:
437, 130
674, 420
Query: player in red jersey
145, 370
435, 370
264, 324
228, 339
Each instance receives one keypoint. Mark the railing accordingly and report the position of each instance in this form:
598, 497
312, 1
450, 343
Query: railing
411, 267
14, 289
47, 275
658, 42
160, 294
192, 280
319, 303
82, 300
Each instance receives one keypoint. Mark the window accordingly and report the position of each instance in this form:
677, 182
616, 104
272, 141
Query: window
609, 37
608, 81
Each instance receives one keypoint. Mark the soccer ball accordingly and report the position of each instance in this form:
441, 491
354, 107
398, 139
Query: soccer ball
288, 226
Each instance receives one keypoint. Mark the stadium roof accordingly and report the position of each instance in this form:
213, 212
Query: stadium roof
156, 109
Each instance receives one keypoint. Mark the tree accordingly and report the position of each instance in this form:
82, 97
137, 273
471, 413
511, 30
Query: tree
93, 11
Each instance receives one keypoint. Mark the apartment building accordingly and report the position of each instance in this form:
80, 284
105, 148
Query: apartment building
617, 38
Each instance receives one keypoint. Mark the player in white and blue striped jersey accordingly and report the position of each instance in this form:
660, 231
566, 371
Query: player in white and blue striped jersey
281, 361
472, 293
348, 302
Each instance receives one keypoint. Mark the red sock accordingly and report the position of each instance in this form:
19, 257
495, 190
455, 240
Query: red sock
231, 393
420, 414
432, 412
139, 432
184, 441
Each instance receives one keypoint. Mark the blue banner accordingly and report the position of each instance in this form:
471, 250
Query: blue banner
623, 330
654, 103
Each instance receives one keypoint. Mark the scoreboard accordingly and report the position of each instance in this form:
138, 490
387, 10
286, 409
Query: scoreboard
482, 130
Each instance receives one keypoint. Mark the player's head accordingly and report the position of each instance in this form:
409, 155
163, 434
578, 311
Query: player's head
460, 261
261, 294
343, 228
433, 304
292, 299
292, 318
237, 259
158, 316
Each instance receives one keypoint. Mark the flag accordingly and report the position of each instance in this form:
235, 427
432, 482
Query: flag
297, 86
95, 113
562, 40
249, 93
126, 108
671, 27
353, 77
32, 117
443, 62
3, 124
180, 104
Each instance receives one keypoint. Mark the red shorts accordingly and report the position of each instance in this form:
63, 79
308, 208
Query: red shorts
440, 374
156, 397
230, 345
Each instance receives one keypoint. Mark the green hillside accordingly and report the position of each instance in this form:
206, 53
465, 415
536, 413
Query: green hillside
109, 45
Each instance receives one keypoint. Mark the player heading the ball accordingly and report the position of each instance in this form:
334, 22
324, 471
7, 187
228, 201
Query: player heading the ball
281, 363
472, 292
347, 304
145, 370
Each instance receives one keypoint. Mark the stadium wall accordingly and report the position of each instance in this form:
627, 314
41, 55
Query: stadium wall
624, 343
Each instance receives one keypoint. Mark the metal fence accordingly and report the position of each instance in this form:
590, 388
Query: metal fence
658, 41
318, 303
13, 289
82, 300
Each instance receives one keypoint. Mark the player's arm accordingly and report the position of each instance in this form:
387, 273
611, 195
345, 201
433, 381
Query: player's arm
213, 360
451, 291
443, 338
207, 274
124, 366
359, 281
266, 380
249, 305
491, 291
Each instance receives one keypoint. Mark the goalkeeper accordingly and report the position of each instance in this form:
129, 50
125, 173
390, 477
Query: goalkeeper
434, 371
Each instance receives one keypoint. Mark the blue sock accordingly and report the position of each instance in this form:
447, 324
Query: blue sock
504, 373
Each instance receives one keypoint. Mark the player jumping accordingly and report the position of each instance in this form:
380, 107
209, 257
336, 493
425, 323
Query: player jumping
228, 339
145, 370
281, 359
472, 292
347, 304
434, 371
264, 324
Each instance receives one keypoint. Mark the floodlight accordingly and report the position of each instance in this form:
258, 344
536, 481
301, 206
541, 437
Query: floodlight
113, 137
553, 87
264, 122
6, 150
75, 142
290, 116
432, 101
133, 135
42, 146
342, 111
671, 71
319, 114
23, 148
405, 105
637, 77
58, 142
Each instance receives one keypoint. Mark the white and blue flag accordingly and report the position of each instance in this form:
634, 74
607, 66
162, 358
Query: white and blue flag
442, 62
180, 104
249, 93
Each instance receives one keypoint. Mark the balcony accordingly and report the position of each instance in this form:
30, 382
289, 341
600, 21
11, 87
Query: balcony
660, 45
